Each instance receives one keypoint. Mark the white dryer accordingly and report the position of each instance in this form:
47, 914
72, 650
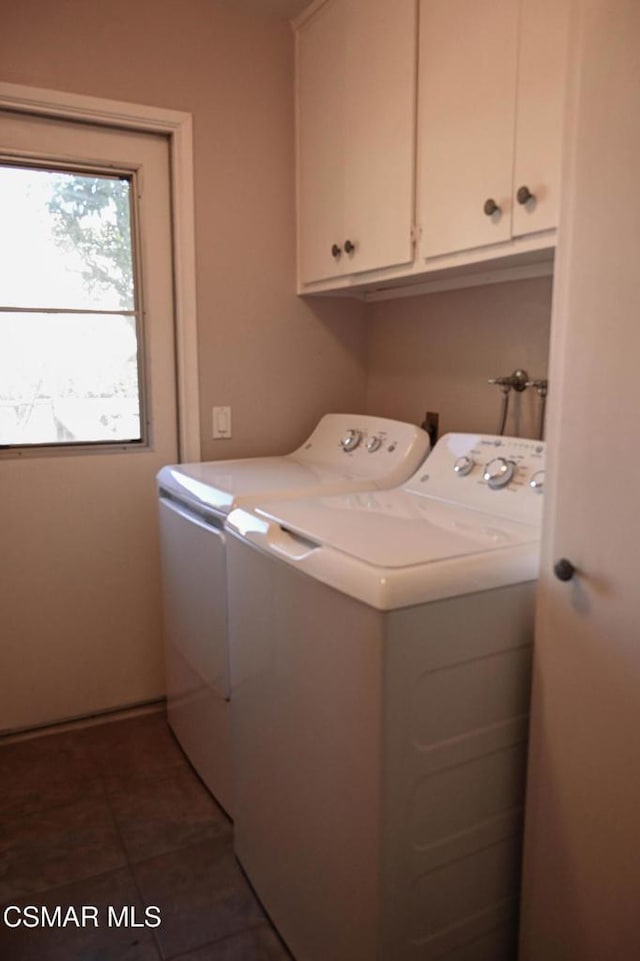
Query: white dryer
381, 647
345, 452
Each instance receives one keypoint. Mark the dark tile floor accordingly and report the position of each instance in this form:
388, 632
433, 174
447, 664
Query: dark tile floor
113, 816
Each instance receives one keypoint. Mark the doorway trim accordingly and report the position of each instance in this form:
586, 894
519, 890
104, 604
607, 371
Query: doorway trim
178, 127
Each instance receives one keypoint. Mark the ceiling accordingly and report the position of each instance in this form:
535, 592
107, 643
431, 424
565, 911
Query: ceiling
271, 9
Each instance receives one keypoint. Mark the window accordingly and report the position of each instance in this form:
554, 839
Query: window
70, 315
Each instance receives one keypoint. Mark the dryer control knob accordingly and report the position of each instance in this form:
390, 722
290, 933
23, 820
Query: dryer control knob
498, 472
374, 443
351, 439
464, 465
536, 481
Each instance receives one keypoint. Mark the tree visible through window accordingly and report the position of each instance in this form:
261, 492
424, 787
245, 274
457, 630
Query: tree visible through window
69, 334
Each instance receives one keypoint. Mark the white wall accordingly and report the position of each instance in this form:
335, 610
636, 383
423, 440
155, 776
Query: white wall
437, 352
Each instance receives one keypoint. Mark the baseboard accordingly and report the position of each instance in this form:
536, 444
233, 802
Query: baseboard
76, 723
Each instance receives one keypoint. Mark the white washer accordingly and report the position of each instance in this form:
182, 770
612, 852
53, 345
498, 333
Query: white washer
381, 648
345, 452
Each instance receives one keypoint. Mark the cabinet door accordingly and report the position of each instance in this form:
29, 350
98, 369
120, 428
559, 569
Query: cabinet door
380, 96
466, 118
320, 131
542, 63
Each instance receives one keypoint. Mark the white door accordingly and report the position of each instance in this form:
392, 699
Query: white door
581, 889
80, 585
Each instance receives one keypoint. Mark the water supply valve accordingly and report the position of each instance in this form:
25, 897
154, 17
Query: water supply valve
518, 380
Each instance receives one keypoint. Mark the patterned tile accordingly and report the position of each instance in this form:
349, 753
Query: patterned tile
202, 895
68, 804
133, 747
58, 846
160, 814
257, 944
92, 942
45, 772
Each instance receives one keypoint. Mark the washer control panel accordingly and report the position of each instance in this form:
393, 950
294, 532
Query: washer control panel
500, 475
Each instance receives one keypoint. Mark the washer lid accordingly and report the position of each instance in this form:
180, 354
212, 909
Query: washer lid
408, 553
397, 529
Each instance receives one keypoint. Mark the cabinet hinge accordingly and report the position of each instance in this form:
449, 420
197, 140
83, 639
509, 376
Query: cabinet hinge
416, 233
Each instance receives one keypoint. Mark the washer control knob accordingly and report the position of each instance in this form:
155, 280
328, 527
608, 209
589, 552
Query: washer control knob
351, 439
498, 472
536, 481
464, 465
374, 443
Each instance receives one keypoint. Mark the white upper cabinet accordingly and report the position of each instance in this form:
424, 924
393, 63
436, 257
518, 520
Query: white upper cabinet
489, 77
356, 90
490, 110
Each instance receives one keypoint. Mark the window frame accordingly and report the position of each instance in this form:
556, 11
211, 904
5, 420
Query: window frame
25, 160
177, 125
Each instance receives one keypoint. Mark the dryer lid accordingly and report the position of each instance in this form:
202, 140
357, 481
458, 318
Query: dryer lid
222, 485
344, 452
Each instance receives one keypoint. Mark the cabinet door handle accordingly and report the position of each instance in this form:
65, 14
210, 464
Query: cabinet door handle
349, 247
335, 251
524, 195
564, 569
491, 207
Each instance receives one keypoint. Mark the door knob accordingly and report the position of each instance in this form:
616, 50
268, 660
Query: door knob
564, 569
335, 251
524, 195
349, 247
491, 207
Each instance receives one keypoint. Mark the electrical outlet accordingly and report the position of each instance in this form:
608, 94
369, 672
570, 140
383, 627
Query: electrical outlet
221, 423
430, 424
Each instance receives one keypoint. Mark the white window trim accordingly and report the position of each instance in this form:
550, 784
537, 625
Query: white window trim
178, 127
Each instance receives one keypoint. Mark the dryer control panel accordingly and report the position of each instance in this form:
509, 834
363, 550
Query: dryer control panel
499, 475
377, 449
